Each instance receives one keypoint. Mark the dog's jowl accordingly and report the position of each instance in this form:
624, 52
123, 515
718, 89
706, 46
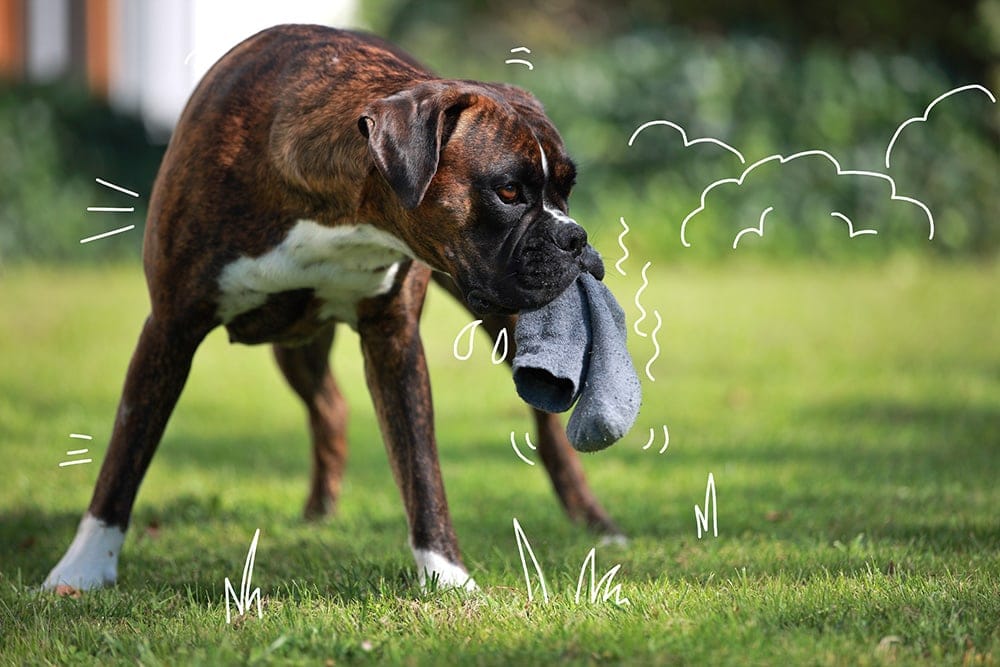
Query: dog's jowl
320, 176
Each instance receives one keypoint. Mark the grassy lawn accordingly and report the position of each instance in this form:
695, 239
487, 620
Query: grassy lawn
850, 419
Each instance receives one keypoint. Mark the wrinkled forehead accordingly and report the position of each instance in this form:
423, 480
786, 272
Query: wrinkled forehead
499, 133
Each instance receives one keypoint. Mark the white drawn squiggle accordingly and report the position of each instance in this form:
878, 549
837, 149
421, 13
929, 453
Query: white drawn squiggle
656, 345
246, 597
850, 225
927, 111
522, 545
701, 518
513, 443
501, 338
621, 244
516, 61
782, 160
652, 435
687, 142
469, 328
604, 585
758, 230
638, 293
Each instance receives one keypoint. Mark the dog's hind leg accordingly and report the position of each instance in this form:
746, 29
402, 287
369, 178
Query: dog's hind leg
307, 369
560, 459
155, 378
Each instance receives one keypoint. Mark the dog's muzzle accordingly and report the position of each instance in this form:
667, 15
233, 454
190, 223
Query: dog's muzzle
542, 267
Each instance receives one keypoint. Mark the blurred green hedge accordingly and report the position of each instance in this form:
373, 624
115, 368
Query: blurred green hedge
763, 97
55, 140
757, 94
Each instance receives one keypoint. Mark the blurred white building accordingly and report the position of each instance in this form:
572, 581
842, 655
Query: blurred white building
144, 56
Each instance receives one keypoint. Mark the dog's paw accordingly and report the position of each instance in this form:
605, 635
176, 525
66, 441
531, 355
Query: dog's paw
434, 570
613, 540
91, 560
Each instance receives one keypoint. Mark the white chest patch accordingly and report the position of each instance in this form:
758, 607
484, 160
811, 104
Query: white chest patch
342, 264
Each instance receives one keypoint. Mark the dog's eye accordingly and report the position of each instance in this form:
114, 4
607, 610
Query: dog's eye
509, 193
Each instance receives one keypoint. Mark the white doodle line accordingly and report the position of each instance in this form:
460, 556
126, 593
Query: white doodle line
645, 284
701, 519
684, 136
758, 230
652, 435
111, 209
116, 187
927, 111
782, 160
501, 337
513, 443
656, 345
471, 328
75, 452
522, 544
621, 244
246, 597
604, 583
515, 61
850, 226
107, 234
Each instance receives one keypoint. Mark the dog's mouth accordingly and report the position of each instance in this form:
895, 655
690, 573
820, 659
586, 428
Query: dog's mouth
480, 304
520, 292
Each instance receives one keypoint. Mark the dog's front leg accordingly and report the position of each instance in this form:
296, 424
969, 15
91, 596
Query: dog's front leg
400, 387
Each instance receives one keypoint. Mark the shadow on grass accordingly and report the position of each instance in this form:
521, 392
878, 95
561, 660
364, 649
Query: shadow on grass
319, 562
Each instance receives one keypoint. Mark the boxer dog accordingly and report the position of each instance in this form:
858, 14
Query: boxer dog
319, 176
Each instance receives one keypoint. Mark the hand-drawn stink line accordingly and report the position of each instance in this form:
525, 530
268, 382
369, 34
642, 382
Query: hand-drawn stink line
246, 597
469, 328
758, 230
515, 61
604, 583
522, 544
701, 518
850, 225
621, 244
652, 435
513, 444
927, 111
684, 136
656, 345
638, 293
782, 160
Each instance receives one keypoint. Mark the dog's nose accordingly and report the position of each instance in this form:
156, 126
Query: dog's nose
571, 237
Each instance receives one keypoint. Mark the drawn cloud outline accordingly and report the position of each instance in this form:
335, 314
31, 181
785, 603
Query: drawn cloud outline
927, 111
687, 143
782, 159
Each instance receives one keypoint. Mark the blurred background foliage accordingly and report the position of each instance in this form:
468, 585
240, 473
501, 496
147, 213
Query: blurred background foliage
772, 76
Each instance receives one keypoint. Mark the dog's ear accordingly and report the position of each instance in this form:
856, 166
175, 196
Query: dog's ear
406, 131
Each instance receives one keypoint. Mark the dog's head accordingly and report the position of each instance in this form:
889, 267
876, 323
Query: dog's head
483, 178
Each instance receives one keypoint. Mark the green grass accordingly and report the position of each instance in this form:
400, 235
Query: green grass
850, 417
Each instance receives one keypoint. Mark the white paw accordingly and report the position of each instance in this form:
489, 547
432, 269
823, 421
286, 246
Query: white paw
616, 540
91, 560
432, 566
